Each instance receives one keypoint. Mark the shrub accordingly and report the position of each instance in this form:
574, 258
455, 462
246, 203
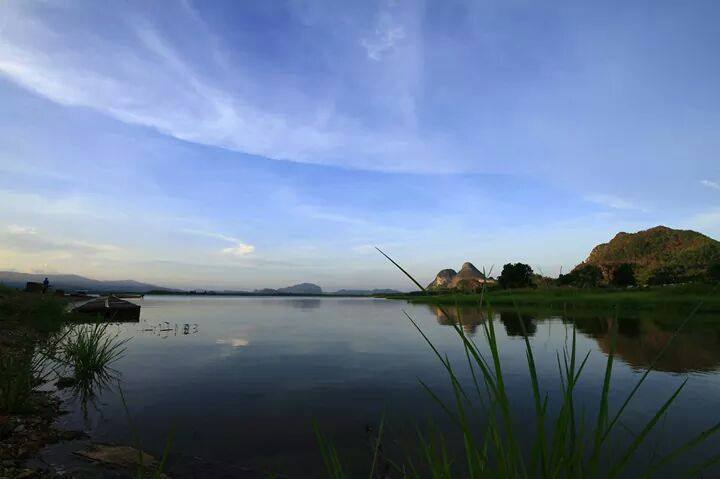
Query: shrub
584, 276
713, 273
666, 275
623, 275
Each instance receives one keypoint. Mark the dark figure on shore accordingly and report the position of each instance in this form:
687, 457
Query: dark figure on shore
46, 285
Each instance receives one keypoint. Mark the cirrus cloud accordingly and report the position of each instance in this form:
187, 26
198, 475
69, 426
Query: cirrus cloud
711, 184
240, 249
28, 239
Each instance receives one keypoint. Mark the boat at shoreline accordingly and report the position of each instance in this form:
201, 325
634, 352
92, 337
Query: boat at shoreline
111, 308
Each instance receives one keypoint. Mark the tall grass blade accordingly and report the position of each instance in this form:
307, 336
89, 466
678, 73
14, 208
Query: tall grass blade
615, 471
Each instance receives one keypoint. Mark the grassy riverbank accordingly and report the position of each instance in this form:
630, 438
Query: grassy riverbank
26, 413
41, 342
680, 296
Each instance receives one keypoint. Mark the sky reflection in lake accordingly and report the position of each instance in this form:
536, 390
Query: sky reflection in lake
241, 379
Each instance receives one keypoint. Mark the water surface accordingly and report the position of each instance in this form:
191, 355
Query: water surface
241, 379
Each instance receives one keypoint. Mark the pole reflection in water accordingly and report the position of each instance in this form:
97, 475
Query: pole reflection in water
166, 329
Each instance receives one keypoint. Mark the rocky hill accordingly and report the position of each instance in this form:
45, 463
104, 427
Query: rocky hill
468, 278
659, 249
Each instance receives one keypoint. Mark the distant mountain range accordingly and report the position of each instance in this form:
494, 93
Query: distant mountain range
314, 289
302, 288
73, 282
364, 292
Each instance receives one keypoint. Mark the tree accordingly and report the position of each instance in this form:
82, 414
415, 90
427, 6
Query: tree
583, 276
518, 275
623, 275
518, 325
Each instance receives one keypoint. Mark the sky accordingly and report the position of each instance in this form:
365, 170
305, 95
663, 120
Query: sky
241, 145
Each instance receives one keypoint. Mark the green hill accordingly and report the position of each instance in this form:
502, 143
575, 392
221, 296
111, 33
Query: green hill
659, 252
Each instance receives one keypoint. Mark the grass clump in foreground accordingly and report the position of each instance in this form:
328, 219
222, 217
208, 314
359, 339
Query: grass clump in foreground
563, 443
89, 350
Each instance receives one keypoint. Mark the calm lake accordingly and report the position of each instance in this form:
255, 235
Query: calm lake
241, 379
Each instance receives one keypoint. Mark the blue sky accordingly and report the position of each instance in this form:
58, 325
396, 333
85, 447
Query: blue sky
252, 144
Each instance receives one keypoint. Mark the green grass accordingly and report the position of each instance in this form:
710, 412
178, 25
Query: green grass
18, 374
41, 312
29, 324
682, 296
565, 442
42, 339
89, 351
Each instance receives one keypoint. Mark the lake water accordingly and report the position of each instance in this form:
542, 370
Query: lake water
241, 379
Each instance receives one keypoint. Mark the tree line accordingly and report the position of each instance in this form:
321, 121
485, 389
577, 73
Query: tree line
586, 275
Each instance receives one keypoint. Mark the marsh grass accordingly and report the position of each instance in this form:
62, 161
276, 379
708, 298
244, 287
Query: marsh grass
679, 298
88, 351
562, 441
91, 350
84, 351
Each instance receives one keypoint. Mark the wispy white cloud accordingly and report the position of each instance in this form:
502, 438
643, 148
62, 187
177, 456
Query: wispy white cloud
30, 203
710, 184
383, 39
615, 202
238, 249
148, 80
28, 239
707, 222
21, 230
707, 218
210, 234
